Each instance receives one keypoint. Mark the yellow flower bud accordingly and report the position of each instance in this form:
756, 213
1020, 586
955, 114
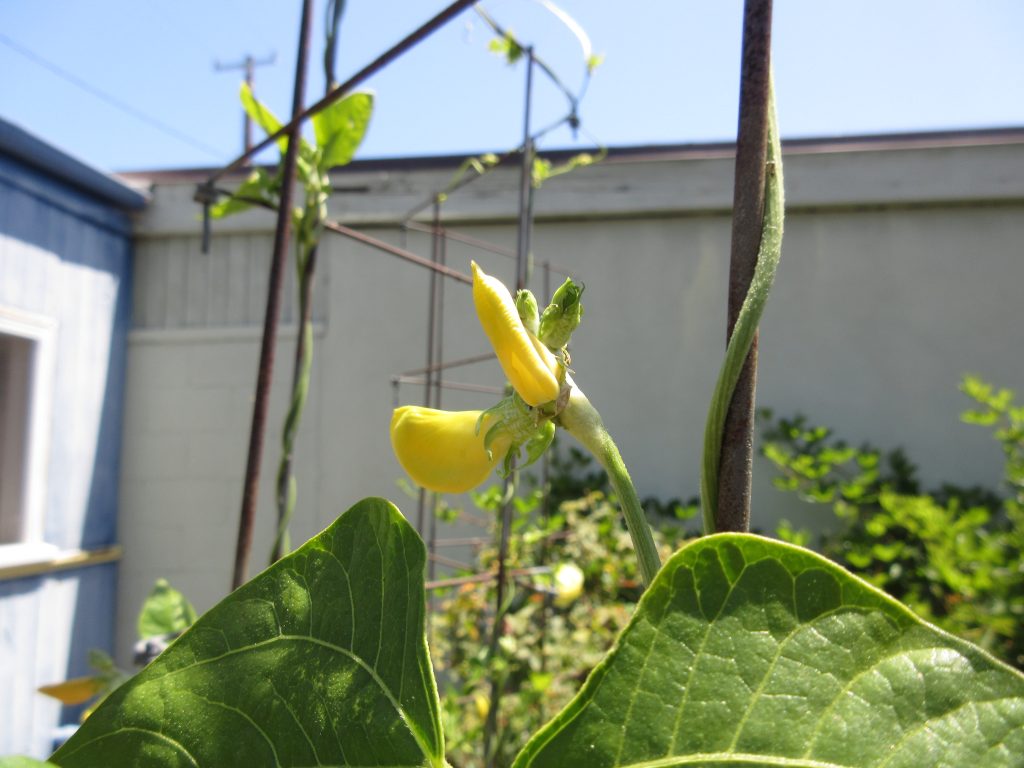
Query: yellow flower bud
443, 450
531, 367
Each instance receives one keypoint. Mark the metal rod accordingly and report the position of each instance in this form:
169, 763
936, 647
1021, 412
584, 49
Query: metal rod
431, 375
354, 234
439, 257
394, 250
434, 558
479, 578
380, 62
282, 237
451, 364
453, 385
483, 245
438, 362
465, 541
733, 512
545, 508
522, 249
525, 184
450, 234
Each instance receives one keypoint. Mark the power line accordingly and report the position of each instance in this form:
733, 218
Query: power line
111, 100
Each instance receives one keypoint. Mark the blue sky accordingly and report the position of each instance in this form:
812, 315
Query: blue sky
670, 72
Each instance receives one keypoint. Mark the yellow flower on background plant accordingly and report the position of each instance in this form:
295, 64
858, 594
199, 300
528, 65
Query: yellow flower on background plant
532, 368
568, 584
444, 450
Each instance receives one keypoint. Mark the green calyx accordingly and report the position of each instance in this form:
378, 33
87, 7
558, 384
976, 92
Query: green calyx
523, 426
562, 316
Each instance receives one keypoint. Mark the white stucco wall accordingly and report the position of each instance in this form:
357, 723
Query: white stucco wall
901, 271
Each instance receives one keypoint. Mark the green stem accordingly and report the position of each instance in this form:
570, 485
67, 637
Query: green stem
583, 422
286, 485
746, 323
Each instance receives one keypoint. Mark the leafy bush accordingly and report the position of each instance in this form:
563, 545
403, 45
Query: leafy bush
953, 554
548, 644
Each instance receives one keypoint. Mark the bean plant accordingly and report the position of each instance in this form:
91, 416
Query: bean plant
741, 650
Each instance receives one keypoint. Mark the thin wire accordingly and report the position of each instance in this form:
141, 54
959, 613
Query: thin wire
78, 82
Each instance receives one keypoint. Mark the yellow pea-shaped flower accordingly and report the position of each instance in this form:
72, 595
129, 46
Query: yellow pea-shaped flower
442, 450
530, 366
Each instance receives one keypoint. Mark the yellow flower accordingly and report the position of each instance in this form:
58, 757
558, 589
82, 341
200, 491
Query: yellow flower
443, 450
531, 367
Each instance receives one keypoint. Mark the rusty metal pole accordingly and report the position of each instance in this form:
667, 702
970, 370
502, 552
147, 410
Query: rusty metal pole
282, 241
522, 259
733, 512
430, 372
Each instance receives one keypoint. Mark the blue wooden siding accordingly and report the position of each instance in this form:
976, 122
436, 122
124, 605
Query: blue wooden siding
66, 255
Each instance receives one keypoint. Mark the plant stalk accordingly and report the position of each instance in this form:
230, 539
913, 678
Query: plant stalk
583, 422
286, 484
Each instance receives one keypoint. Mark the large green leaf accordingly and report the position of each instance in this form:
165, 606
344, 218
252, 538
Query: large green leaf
319, 660
260, 114
749, 652
340, 127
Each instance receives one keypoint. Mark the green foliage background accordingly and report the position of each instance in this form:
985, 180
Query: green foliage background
545, 651
955, 555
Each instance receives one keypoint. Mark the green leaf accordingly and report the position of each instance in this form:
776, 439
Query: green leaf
749, 652
266, 120
319, 660
259, 185
262, 116
340, 128
165, 612
18, 761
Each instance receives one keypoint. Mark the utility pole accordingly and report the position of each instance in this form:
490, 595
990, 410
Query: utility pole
249, 64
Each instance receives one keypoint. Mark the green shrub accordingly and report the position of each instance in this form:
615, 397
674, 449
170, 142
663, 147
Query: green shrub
953, 554
546, 649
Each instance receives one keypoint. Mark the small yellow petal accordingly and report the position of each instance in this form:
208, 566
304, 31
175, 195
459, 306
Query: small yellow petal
77, 690
442, 450
527, 363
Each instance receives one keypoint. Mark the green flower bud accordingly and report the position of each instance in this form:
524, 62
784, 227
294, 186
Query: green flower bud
562, 315
529, 311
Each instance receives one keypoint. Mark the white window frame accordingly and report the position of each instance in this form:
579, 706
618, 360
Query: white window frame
42, 332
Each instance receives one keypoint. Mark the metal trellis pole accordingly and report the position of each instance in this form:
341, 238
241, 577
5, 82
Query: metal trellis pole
522, 258
282, 237
736, 458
